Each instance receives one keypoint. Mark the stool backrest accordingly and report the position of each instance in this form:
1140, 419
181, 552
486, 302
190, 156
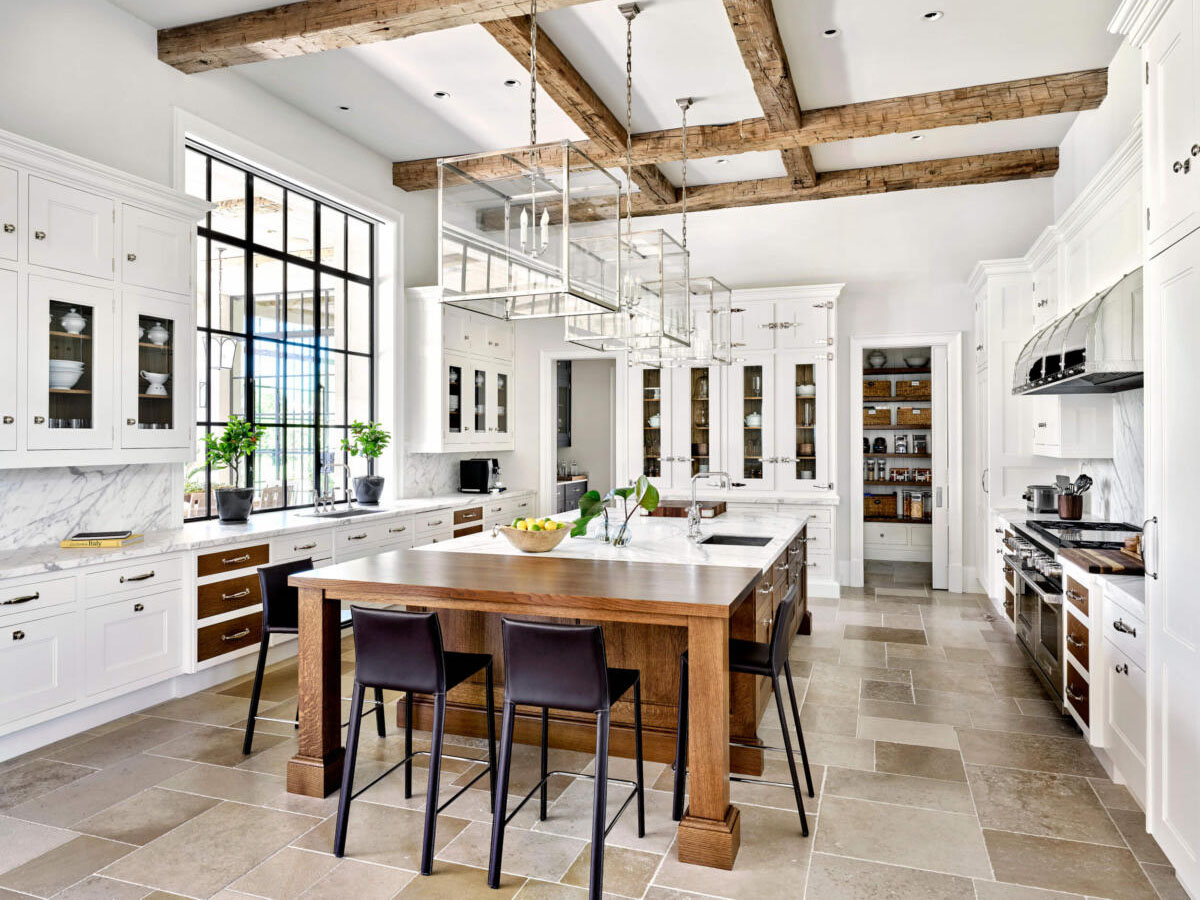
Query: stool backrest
281, 602
782, 633
398, 650
561, 666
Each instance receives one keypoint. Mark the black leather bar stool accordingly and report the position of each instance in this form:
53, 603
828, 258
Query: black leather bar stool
768, 660
402, 651
565, 667
281, 615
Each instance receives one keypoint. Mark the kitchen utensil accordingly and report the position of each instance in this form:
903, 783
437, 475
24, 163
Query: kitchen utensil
1082, 484
1063, 483
1070, 506
157, 383
1041, 498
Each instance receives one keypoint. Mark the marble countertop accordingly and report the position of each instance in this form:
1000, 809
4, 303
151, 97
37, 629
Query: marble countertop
30, 561
740, 495
658, 540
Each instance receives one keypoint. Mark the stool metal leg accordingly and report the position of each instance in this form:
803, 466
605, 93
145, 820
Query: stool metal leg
256, 691
787, 670
379, 713
637, 756
681, 740
491, 731
343, 814
787, 744
500, 810
599, 808
431, 791
408, 751
545, 760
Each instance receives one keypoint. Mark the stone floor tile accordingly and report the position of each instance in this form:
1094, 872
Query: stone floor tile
202, 708
532, 854
1164, 881
208, 852
1132, 825
1008, 681
385, 835
360, 880
999, 890
627, 873
924, 762
898, 653
1030, 706
899, 620
1114, 796
243, 786
1061, 726
114, 746
1029, 751
1072, 866
970, 702
1041, 803
545, 890
926, 839
286, 875
913, 712
463, 883
903, 790
862, 653
66, 864
34, 778
897, 692
836, 750
954, 681
279, 683
22, 841
97, 887
828, 719
841, 878
857, 617
274, 760
969, 655
571, 815
216, 746
886, 635
899, 731
145, 816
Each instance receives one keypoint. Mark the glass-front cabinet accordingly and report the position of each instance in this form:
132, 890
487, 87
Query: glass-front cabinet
752, 423
8, 360
500, 407
155, 376
454, 377
651, 398
70, 365
480, 403
696, 426
802, 434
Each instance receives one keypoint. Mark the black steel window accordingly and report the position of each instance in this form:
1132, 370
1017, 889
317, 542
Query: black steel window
285, 330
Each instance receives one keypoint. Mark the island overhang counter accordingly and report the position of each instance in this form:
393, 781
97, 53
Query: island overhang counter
655, 599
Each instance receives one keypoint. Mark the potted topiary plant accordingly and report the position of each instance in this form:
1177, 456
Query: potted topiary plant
239, 440
367, 440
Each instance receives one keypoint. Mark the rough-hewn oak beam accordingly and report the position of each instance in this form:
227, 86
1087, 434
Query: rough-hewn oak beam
574, 96
757, 35
310, 26
1005, 100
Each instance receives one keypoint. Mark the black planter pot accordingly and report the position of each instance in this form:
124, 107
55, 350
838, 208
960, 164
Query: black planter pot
234, 504
368, 489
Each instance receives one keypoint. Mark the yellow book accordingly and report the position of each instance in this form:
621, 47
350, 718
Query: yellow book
80, 541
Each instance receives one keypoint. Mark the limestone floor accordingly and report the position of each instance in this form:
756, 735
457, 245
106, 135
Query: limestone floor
942, 773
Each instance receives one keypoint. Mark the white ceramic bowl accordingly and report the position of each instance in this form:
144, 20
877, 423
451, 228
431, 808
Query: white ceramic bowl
64, 380
916, 362
806, 390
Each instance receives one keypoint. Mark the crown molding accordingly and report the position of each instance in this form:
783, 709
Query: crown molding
986, 269
1045, 247
794, 292
1123, 166
1136, 19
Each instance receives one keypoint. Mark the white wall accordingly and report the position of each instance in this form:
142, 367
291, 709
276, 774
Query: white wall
592, 427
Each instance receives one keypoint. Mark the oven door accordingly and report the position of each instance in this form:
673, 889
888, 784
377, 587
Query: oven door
1048, 652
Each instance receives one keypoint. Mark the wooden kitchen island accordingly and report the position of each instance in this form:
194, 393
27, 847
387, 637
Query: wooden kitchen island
661, 596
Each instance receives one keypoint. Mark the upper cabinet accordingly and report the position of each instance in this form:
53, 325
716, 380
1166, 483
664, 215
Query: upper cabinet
95, 365
677, 423
802, 318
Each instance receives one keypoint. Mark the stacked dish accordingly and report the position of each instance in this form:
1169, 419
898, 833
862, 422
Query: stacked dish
65, 373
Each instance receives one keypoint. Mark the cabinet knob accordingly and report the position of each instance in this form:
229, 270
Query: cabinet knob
132, 257
39, 420
137, 607
1122, 669
131, 421
8, 420
1195, 149
9, 227
39, 235
18, 635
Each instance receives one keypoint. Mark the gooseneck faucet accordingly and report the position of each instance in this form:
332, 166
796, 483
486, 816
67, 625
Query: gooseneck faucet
693, 531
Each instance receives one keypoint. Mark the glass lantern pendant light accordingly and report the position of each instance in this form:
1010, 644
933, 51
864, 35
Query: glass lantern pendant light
532, 232
654, 296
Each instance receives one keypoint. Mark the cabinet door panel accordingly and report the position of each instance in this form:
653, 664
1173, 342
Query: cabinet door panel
9, 213
155, 376
38, 665
804, 324
752, 408
650, 410
751, 328
8, 360
695, 422
499, 338
802, 436
479, 386
455, 330
501, 408
132, 639
156, 251
70, 229
456, 411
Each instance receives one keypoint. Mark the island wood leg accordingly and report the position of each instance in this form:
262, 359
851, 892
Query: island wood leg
710, 832
316, 769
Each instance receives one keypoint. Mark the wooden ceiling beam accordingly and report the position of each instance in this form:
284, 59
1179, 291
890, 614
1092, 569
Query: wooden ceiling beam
1025, 97
311, 26
758, 39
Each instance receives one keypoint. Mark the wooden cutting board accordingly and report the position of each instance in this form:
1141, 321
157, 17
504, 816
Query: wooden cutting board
1105, 562
678, 509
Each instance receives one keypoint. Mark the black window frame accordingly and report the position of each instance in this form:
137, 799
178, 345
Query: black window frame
317, 345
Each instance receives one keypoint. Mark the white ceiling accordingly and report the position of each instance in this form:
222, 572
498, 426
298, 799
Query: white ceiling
686, 47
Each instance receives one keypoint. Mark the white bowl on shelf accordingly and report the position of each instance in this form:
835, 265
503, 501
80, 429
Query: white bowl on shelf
806, 390
916, 362
157, 382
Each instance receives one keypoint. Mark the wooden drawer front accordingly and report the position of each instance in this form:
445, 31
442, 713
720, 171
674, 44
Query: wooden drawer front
148, 576
1077, 594
32, 598
132, 639
470, 514
232, 560
227, 595
468, 529
1126, 632
316, 545
225, 637
436, 521
1078, 694
1077, 639
38, 665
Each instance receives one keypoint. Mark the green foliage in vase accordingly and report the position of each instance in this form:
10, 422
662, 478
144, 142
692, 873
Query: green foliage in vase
642, 493
238, 440
367, 439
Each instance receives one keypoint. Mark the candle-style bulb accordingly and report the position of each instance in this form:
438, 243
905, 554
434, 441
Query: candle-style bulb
545, 228
524, 229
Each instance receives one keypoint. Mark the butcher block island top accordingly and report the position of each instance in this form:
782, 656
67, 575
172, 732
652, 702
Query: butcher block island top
662, 595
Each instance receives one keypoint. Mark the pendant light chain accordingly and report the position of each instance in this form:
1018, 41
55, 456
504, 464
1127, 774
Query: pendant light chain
684, 104
533, 38
629, 11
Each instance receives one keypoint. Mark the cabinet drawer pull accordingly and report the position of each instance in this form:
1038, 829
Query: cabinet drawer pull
398, 530
810, 565
235, 635
137, 607
1076, 597
1120, 626
145, 576
434, 524
39, 420
766, 622
132, 257
496, 509
39, 235
229, 561
1078, 698
18, 635
9, 228
311, 546
1195, 150
236, 595
18, 600
131, 421
1075, 642
8, 420
1122, 669
356, 537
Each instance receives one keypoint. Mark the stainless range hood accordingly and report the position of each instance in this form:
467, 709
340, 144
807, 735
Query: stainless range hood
1094, 349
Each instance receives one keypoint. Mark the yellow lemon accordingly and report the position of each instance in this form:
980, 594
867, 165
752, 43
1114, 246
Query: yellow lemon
522, 525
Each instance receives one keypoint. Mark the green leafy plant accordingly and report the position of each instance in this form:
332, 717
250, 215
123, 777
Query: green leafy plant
591, 505
238, 440
366, 440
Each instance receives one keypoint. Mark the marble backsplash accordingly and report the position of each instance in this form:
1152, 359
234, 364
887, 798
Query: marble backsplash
1118, 492
42, 506
429, 474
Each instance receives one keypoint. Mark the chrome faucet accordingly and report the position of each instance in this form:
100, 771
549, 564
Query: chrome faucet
327, 502
693, 531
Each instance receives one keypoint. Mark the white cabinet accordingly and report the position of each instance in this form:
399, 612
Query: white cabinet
981, 331
1045, 293
752, 401
38, 665
70, 229
1072, 426
799, 318
804, 324
1171, 98
131, 639
8, 360
9, 213
155, 380
156, 250
499, 337
695, 412
1125, 718
651, 406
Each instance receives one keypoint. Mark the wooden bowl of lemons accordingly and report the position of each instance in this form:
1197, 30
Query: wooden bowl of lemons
535, 535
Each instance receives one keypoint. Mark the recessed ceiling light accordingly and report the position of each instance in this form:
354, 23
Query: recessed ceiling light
511, 82
917, 137
933, 15
830, 33
441, 95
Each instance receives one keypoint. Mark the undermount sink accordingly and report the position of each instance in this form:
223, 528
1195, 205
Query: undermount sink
342, 513
737, 540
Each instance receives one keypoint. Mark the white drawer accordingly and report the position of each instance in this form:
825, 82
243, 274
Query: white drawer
1126, 632
427, 523
31, 597
885, 534
354, 535
496, 510
820, 565
131, 639
312, 544
140, 575
399, 532
434, 536
38, 665
820, 538
920, 535
820, 515
521, 506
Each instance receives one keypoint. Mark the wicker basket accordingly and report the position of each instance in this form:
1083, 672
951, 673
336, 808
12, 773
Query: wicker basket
915, 387
877, 415
879, 506
907, 415
876, 390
